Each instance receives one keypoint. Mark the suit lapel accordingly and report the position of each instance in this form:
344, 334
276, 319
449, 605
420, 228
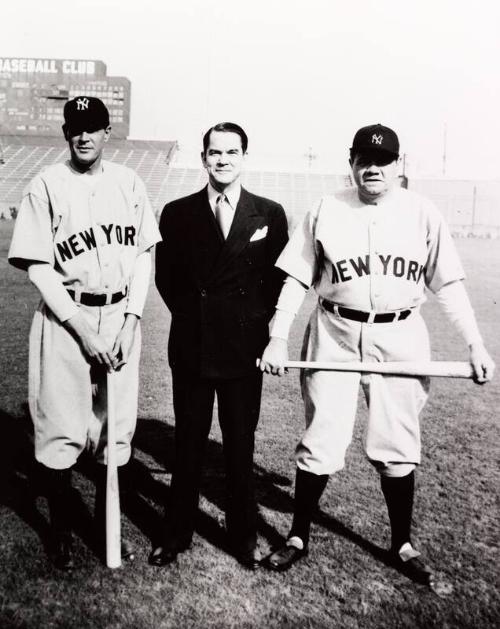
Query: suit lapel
204, 238
246, 220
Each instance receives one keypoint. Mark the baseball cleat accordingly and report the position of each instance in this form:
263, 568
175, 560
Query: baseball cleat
127, 551
62, 553
408, 562
284, 558
417, 571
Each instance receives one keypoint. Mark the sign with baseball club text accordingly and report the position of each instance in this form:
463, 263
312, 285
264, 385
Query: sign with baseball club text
47, 66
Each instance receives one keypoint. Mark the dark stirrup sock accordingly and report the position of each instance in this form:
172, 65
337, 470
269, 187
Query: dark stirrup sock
398, 493
308, 490
59, 496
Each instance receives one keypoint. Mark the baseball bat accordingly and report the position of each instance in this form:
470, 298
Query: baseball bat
443, 369
113, 542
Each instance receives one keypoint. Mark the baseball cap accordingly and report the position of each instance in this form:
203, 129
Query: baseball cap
86, 113
375, 138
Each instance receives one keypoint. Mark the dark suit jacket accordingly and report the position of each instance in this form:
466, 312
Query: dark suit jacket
221, 293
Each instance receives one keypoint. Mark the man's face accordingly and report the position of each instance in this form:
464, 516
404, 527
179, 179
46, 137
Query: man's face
374, 173
86, 146
223, 158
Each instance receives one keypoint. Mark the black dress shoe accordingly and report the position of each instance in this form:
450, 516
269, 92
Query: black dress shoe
250, 559
163, 556
284, 558
62, 553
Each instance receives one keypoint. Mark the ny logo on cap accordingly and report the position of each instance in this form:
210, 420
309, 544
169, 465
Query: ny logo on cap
377, 139
82, 103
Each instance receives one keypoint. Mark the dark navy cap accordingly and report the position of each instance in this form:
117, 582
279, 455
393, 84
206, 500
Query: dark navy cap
375, 138
86, 113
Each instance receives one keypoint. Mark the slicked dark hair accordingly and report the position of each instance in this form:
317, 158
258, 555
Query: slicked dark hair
230, 127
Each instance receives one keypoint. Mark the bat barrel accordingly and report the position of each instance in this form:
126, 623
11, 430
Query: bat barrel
443, 369
113, 541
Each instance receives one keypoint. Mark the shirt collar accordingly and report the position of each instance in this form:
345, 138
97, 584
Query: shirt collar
232, 193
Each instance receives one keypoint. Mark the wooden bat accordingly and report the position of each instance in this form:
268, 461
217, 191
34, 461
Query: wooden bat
443, 369
113, 542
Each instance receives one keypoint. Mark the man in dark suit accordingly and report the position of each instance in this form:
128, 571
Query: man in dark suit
215, 271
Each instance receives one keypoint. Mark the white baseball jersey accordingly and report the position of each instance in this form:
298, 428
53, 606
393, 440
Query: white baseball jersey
373, 258
91, 230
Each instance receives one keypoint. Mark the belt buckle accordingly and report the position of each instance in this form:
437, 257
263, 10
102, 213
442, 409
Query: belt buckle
371, 317
109, 298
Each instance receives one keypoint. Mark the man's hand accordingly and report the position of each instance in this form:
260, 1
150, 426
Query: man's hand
481, 362
93, 345
274, 357
124, 340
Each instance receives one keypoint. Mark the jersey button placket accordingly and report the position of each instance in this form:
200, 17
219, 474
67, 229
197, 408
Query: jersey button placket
100, 239
374, 264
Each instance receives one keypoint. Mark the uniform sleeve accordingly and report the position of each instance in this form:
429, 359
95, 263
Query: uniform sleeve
299, 258
149, 233
139, 284
289, 302
52, 290
443, 264
455, 303
165, 258
277, 239
32, 240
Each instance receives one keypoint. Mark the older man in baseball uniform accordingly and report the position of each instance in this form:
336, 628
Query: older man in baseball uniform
369, 252
84, 234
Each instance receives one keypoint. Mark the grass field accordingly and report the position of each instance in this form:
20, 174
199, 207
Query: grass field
344, 582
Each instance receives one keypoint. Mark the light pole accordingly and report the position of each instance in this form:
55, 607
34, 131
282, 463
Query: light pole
444, 149
310, 156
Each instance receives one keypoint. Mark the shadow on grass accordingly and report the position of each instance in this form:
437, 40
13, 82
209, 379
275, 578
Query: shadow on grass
21, 485
156, 439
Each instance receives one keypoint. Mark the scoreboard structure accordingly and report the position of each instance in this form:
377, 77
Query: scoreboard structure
33, 93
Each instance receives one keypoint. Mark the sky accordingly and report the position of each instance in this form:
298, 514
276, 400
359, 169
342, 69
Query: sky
301, 76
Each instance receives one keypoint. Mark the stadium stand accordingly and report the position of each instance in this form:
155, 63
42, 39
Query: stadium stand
295, 191
24, 156
471, 208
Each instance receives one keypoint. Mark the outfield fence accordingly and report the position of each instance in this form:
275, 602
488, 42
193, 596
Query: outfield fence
471, 208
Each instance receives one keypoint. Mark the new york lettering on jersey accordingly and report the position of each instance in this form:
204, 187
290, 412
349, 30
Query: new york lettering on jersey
85, 240
398, 266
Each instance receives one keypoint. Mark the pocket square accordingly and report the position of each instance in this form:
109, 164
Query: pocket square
259, 234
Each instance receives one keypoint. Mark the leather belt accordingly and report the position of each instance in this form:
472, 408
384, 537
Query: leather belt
365, 317
97, 299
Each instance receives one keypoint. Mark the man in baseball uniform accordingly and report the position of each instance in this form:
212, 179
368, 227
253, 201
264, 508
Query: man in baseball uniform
84, 233
369, 252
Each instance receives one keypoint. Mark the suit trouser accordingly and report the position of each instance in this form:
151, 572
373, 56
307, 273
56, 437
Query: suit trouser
238, 402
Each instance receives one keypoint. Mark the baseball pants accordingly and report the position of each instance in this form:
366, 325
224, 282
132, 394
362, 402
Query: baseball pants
392, 433
67, 395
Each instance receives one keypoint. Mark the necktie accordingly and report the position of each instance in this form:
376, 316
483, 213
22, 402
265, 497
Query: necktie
223, 214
